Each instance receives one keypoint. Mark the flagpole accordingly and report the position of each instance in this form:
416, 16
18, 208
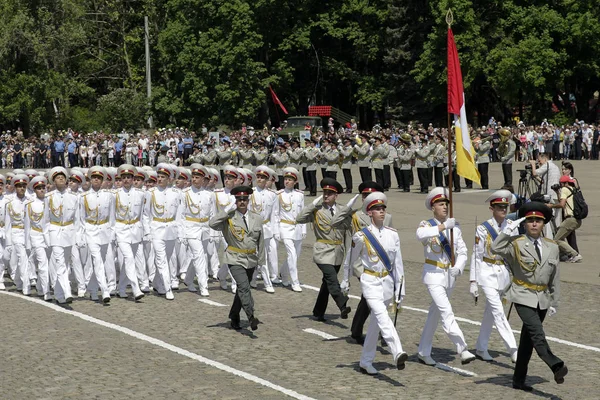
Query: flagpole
449, 20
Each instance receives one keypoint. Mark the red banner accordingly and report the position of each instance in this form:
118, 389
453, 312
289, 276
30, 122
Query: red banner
276, 100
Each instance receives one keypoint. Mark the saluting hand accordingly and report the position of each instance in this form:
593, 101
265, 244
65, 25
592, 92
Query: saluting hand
352, 201
317, 200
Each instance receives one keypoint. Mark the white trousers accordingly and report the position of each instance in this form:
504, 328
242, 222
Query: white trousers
494, 314
78, 264
379, 292
62, 288
20, 267
110, 269
271, 257
163, 251
199, 263
440, 306
289, 270
149, 258
3, 259
129, 267
100, 254
40, 259
213, 256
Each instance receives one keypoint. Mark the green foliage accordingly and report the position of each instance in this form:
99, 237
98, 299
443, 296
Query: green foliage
81, 63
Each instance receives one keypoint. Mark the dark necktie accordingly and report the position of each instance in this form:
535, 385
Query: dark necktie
537, 249
331, 209
245, 223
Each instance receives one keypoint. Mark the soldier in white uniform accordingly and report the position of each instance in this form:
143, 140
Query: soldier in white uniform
215, 236
491, 273
64, 229
14, 220
439, 274
129, 231
288, 205
160, 210
3, 200
261, 202
196, 209
81, 268
271, 245
98, 219
378, 248
36, 235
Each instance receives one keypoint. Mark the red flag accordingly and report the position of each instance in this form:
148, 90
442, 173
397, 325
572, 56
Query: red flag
276, 100
455, 82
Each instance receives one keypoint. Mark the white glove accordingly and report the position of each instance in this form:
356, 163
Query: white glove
317, 200
303, 236
512, 226
230, 208
277, 237
399, 300
551, 312
454, 271
474, 289
184, 241
352, 201
450, 223
345, 286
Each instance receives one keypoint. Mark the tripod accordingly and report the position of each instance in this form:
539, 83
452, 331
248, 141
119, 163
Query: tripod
527, 185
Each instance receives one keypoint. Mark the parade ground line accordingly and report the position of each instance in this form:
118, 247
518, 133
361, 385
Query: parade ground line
164, 345
469, 321
324, 335
212, 303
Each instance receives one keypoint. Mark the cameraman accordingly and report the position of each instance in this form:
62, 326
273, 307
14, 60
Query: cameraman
548, 174
569, 223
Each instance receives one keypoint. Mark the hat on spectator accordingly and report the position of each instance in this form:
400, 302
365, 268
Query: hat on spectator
373, 200
566, 179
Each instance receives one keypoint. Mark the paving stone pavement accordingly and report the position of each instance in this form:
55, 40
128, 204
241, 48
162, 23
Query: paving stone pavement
51, 355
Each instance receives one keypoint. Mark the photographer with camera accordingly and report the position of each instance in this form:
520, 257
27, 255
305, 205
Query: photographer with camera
565, 191
548, 174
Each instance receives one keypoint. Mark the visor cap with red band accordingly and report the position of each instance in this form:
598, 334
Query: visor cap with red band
152, 176
56, 171
500, 197
183, 173
164, 168
141, 173
126, 169
231, 171
77, 175
38, 181
241, 192
536, 209
263, 171
97, 171
331, 184
436, 194
199, 169
291, 172
370, 187
20, 179
373, 200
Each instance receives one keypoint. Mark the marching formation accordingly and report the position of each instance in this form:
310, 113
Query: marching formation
101, 230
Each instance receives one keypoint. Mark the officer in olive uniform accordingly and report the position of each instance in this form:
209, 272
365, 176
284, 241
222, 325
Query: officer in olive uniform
242, 230
246, 154
162, 158
422, 163
260, 156
332, 156
378, 158
329, 247
225, 157
281, 160
210, 158
509, 155
534, 292
482, 147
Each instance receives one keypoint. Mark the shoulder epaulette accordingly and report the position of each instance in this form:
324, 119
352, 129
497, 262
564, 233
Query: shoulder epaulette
522, 237
280, 191
152, 189
390, 228
299, 191
187, 189
218, 190
271, 190
550, 240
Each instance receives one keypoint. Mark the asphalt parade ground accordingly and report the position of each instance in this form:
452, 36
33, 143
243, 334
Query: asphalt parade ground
184, 349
